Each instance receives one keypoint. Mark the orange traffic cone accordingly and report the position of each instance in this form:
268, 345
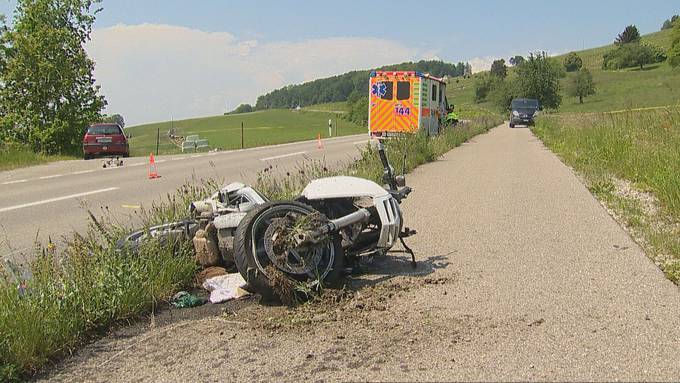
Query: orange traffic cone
319, 143
153, 172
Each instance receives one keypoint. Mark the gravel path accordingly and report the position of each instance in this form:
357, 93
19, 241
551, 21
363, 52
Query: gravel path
523, 276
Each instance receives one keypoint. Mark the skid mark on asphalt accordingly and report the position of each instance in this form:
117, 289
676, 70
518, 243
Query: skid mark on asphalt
56, 199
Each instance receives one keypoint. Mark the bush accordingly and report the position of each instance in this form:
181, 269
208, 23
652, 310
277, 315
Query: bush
503, 93
581, 85
243, 108
484, 84
572, 62
633, 55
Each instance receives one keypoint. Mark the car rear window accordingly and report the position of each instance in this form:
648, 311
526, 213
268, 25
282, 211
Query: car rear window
104, 129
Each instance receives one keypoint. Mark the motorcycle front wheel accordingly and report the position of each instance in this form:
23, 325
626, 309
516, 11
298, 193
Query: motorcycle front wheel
261, 258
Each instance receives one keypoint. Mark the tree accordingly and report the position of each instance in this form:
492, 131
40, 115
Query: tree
629, 35
572, 62
674, 52
502, 93
581, 85
49, 94
243, 108
499, 69
483, 85
668, 24
516, 60
539, 78
633, 55
116, 119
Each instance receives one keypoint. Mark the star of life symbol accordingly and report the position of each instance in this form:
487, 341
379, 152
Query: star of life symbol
379, 89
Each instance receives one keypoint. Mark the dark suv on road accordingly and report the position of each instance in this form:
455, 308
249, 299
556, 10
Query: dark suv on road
524, 110
106, 139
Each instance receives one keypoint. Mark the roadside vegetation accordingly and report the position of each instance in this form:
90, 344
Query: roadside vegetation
65, 296
631, 162
14, 156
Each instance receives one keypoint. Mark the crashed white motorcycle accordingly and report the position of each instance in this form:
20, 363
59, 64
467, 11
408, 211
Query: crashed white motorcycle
310, 239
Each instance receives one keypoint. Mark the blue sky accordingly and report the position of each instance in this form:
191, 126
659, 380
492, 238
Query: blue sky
274, 43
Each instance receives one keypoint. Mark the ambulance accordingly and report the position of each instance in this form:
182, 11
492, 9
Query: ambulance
405, 102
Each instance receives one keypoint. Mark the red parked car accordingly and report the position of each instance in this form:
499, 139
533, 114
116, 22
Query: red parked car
106, 139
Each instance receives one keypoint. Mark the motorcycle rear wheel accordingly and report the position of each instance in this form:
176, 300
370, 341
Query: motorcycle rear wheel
318, 266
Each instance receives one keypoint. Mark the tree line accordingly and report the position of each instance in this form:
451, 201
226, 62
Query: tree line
341, 87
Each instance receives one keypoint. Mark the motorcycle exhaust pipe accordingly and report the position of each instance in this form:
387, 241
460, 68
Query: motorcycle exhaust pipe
313, 236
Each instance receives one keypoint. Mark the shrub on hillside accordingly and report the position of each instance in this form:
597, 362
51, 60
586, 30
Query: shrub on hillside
572, 62
633, 55
581, 85
674, 52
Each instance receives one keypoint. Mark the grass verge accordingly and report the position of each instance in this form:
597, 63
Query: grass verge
66, 296
14, 156
631, 162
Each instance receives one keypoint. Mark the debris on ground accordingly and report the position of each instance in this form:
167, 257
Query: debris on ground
225, 287
184, 299
209, 272
112, 162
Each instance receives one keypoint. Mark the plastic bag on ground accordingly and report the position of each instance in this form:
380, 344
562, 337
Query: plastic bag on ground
183, 300
225, 287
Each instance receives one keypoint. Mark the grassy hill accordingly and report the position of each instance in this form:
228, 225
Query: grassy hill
656, 85
266, 127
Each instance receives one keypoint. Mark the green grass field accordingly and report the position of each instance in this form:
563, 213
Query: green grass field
261, 128
656, 85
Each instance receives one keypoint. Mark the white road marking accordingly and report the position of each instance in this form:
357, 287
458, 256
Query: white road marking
14, 182
282, 156
48, 177
56, 199
197, 156
160, 161
83, 172
137, 164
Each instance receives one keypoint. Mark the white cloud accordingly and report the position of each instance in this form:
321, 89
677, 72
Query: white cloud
480, 64
150, 72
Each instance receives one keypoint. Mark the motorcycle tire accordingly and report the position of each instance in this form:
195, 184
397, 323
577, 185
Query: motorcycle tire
252, 257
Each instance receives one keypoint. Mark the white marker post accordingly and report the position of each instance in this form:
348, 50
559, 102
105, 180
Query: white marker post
330, 127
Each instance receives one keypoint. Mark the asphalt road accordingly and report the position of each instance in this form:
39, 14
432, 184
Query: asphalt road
522, 276
52, 200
